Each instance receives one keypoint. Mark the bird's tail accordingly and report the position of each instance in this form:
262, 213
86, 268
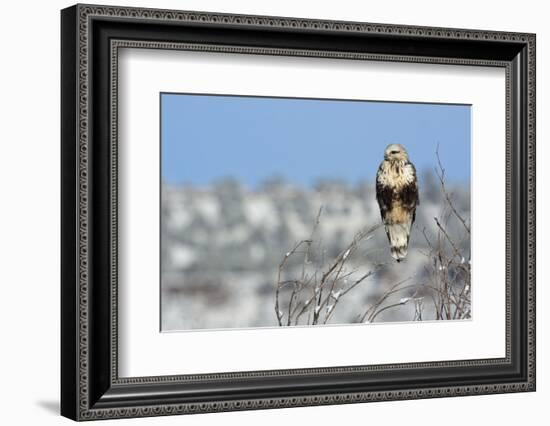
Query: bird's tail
398, 235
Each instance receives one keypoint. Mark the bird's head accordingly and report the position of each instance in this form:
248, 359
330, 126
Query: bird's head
396, 152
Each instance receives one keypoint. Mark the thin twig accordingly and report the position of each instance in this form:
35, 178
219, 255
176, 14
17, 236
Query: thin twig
441, 176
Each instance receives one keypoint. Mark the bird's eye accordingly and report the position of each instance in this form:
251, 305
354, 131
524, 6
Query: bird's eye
395, 152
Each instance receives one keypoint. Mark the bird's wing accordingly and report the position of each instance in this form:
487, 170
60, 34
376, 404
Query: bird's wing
384, 194
409, 194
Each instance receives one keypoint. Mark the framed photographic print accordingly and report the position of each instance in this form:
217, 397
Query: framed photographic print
263, 212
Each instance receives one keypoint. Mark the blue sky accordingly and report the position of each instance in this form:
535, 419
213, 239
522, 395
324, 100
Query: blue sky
206, 138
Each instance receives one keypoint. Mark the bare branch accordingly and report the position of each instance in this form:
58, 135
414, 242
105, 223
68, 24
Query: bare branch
441, 175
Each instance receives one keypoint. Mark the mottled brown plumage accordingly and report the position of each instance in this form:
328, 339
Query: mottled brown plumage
397, 196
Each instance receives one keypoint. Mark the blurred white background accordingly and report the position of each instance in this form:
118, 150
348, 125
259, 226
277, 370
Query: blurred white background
29, 223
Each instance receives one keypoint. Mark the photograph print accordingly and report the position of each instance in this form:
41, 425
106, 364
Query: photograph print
283, 212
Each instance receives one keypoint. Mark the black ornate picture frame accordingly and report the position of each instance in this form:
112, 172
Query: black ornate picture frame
90, 385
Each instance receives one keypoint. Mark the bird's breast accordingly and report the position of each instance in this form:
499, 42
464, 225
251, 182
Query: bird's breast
395, 174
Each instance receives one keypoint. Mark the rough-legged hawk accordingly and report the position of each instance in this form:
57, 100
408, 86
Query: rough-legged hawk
397, 196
